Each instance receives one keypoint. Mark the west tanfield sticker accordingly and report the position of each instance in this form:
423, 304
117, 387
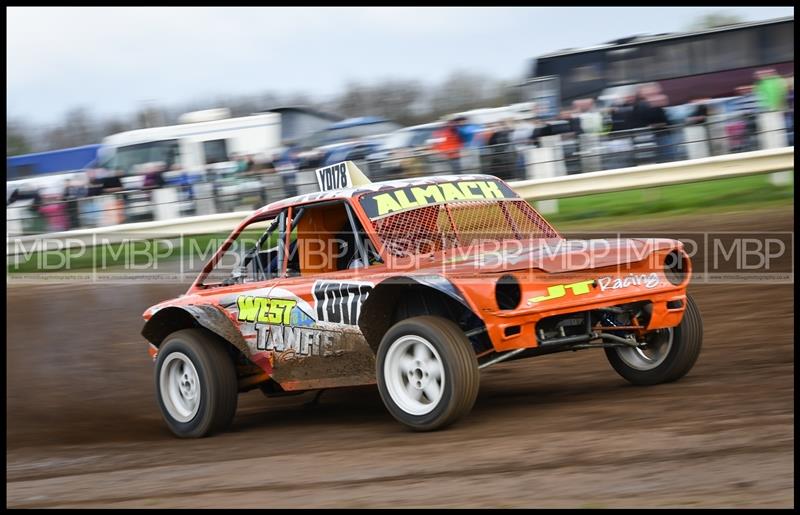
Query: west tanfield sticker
279, 321
282, 322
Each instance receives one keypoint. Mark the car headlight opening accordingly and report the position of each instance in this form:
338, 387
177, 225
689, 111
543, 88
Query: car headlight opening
507, 292
676, 267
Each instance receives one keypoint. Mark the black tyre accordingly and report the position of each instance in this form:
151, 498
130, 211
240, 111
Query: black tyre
196, 384
427, 372
669, 356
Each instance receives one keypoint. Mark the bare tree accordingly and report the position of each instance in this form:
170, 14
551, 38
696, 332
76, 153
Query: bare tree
394, 99
353, 101
78, 128
463, 90
715, 19
18, 139
408, 102
150, 116
81, 126
397, 100
113, 126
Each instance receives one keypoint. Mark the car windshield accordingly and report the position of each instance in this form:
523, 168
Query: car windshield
429, 218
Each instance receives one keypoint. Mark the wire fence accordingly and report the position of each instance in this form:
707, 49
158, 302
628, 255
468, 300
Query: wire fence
561, 154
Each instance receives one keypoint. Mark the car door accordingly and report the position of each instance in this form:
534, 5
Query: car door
321, 345
242, 287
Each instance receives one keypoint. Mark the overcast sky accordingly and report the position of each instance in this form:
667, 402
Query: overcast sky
112, 60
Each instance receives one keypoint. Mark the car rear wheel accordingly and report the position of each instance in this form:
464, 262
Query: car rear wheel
196, 384
427, 372
669, 354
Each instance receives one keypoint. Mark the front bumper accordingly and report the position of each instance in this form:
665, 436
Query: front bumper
518, 329
543, 295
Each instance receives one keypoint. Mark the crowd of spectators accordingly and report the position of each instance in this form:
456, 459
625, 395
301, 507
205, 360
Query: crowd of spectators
637, 127
633, 128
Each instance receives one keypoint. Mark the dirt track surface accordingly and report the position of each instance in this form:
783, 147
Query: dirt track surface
561, 430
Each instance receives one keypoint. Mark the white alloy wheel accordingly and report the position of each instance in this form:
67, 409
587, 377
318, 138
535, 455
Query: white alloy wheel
180, 387
651, 355
414, 374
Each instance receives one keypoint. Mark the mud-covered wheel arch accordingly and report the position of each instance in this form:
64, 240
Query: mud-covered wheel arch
212, 320
400, 298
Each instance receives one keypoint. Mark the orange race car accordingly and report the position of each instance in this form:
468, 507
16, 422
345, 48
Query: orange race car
415, 285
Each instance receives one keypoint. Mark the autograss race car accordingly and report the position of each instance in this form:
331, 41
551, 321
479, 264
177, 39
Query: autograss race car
416, 285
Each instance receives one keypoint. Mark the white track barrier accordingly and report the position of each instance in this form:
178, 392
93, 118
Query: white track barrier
663, 174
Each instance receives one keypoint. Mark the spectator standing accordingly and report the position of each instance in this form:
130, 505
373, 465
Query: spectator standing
568, 127
73, 192
589, 126
742, 129
267, 176
620, 144
696, 140
244, 164
54, 212
183, 181
449, 143
745, 101
94, 187
540, 130
770, 90
111, 183
287, 167
467, 131
523, 130
502, 157
154, 178
622, 114
470, 138
590, 121
640, 112
240, 162
32, 221
699, 113
658, 122
790, 110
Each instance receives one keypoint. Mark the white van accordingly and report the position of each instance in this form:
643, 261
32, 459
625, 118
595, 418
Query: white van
208, 137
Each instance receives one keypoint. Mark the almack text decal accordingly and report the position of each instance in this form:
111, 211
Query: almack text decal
411, 197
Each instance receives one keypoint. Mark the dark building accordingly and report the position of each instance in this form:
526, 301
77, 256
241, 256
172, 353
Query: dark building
298, 123
707, 63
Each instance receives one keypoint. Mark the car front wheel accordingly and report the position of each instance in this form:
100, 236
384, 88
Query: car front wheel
669, 353
196, 384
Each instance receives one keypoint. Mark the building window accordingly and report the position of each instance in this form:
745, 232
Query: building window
702, 55
216, 151
780, 43
671, 60
735, 50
